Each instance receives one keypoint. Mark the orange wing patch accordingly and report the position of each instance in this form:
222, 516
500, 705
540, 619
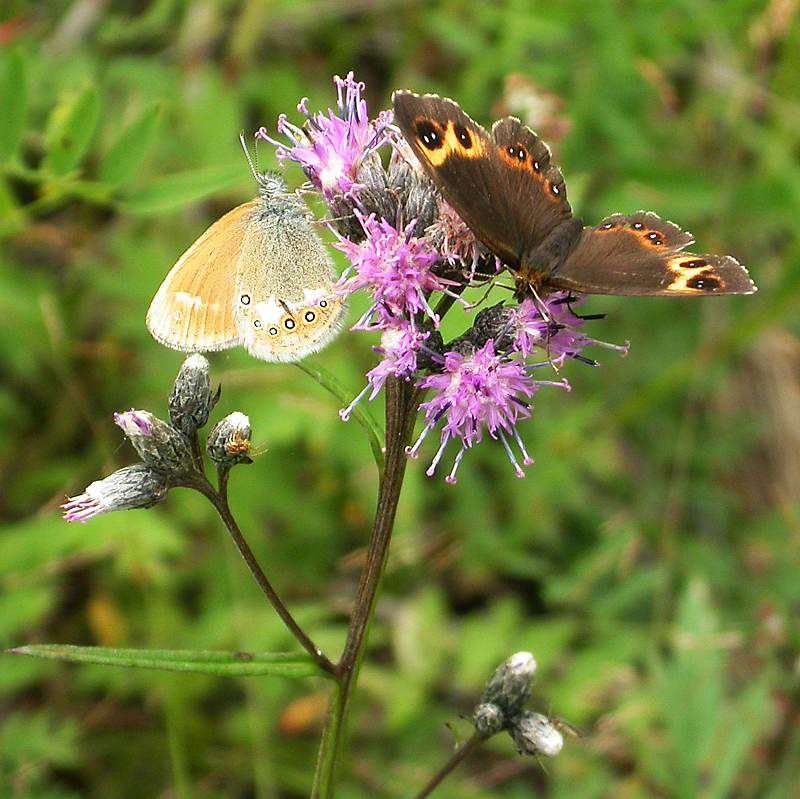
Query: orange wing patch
693, 275
649, 239
438, 144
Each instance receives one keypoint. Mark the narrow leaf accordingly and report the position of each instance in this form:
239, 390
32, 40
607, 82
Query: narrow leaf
130, 148
69, 131
360, 414
14, 102
184, 188
224, 664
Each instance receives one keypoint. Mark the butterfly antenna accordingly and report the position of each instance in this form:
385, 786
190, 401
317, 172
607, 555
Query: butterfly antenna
253, 169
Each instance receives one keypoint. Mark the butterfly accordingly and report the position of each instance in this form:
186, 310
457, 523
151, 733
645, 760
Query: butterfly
259, 277
505, 188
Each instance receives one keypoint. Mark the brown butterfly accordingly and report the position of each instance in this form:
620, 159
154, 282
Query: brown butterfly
505, 188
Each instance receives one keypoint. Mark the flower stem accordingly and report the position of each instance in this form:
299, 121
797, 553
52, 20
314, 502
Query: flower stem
220, 502
401, 404
455, 759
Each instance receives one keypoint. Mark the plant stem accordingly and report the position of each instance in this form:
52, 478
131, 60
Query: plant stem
456, 758
220, 501
401, 404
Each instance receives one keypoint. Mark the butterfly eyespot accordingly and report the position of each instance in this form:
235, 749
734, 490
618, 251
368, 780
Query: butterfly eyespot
536, 166
323, 304
521, 154
555, 190
694, 264
178, 316
256, 323
428, 135
638, 226
607, 226
310, 316
464, 137
289, 324
708, 282
273, 331
245, 299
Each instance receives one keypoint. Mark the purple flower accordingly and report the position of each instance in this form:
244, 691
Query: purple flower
396, 267
331, 147
136, 486
548, 324
478, 391
400, 343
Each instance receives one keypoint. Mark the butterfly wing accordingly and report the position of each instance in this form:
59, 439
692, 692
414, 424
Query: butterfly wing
502, 185
286, 303
193, 310
641, 254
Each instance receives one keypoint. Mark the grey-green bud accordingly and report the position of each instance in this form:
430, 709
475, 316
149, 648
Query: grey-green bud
535, 734
229, 442
510, 685
488, 719
192, 399
158, 443
136, 486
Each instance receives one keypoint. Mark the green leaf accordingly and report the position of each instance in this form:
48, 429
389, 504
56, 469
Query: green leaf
14, 102
223, 664
130, 148
362, 416
176, 191
69, 131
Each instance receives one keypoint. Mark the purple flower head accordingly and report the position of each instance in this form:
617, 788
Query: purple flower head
331, 147
400, 343
136, 486
135, 423
478, 391
553, 326
456, 241
395, 266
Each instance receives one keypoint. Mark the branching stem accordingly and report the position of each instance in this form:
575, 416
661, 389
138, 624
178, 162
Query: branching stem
219, 499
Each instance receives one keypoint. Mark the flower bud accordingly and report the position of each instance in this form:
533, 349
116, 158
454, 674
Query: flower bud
488, 719
192, 400
158, 443
229, 442
535, 734
136, 486
509, 686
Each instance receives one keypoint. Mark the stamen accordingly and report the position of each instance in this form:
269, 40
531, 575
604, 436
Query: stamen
436, 458
507, 448
344, 413
556, 384
526, 459
622, 349
451, 478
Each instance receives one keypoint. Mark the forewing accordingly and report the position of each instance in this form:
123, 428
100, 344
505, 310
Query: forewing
462, 160
193, 310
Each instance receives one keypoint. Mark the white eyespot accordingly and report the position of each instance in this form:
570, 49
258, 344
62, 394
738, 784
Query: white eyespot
555, 190
289, 324
536, 165
637, 225
273, 331
607, 226
178, 316
323, 304
245, 299
310, 316
256, 323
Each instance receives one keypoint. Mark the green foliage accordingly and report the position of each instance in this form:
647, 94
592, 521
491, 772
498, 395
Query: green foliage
649, 559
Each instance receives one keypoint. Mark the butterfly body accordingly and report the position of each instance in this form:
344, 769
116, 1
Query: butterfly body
505, 187
258, 277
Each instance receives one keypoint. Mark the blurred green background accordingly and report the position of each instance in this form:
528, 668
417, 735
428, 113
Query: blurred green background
649, 560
